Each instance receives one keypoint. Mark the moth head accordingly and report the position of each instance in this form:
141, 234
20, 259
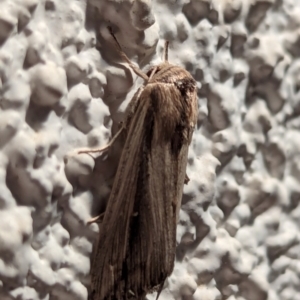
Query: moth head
154, 69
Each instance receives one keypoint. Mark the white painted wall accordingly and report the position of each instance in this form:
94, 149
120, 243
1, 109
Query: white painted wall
238, 236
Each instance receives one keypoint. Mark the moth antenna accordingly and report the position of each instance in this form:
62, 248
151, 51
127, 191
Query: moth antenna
166, 50
136, 70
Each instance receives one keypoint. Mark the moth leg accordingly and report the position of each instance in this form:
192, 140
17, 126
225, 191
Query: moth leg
106, 147
135, 69
97, 219
131, 293
186, 179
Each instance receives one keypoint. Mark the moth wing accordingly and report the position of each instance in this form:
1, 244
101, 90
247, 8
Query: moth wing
137, 238
160, 183
171, 135
108, 274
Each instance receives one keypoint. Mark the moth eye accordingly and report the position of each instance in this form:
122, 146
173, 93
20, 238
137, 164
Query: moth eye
151, 70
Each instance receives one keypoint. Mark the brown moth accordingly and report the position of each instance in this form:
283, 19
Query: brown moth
135, 252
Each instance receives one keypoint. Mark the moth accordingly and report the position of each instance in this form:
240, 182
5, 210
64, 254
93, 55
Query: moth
135, 252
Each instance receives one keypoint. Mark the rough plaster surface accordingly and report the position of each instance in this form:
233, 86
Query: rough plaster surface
63, 87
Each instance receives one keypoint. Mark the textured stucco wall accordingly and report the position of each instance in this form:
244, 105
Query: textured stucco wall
63, 87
